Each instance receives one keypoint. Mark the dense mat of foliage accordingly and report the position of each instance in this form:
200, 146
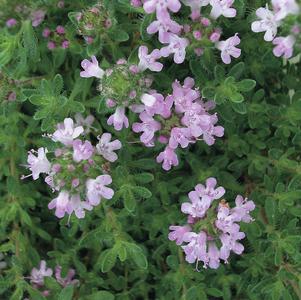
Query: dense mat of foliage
58, 240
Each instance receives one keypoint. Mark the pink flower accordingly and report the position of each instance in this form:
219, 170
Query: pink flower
91, 69
196, 249
213, 255
148, 126
195, 6
177, 233
46, 32
61, 204
284, 46
37, 17
161, 6
37, 275
96, 189
283, 8
164, 26
228, 48
65, 44
136, 3
51, 45
179, 136
38, 164
168, 157
60, 29
222, 8
267, 23
106, 148
11, 22
148, 61
242, 210
78, 207
119, 119
66, 132
68, 280
215, 36
177, 46
82, 151
86, 123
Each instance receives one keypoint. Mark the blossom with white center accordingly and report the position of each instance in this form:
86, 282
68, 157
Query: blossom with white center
38, 164
106, 147
96, 189
91, 69
66, 132
268, 23
228, 48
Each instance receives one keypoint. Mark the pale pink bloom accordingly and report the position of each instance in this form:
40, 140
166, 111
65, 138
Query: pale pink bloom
65, 44
119, 119
68, 280
177, 233
164, 26
169, 158
241, 212
179, 136
38, 164
161, 6
11, 22
213, 255
60, 29
46, 32
196, 249
268, 23
148, 126
86, 123
284, 46
177, 46
37, 275
106, 147
148, 61
61, 204
96, 189
195, 6
82, 150
51, 45
228, 48
91, 69
66, 132
283, 8
78, 207
222, 8
37, 17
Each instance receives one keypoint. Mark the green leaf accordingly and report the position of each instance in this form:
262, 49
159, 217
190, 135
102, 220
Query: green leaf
66, 293
119, 35
237, 70
142, 192
30, 42
240, 108
246, 85
137, 255
214, 292
100, 295
108, 260
128, 197
144, 177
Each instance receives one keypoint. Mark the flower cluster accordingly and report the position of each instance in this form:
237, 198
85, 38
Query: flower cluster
178, 39
56, 37
78, 170
212, 230
121, 87
93, 22
178, 120
269, 21
36, 16
37, 277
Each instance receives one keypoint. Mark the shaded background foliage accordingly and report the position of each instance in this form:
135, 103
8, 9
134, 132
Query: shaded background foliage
121, 249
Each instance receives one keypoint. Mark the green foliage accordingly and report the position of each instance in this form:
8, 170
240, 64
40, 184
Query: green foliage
121, 250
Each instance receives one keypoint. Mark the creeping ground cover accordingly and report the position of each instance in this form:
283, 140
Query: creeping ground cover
150, 149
